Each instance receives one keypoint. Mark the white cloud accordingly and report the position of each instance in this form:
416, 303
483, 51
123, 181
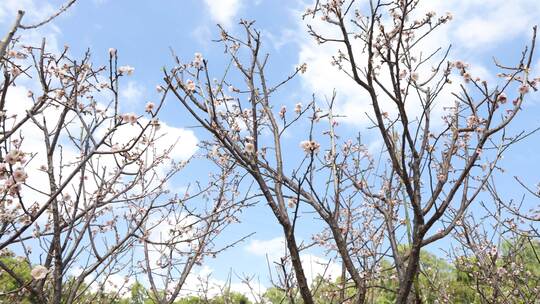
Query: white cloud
283, 38
184, 141
478, 27
273, 248
313, 265
223, 11
33, 11
202, 34
117, 283
481, 25
132, 93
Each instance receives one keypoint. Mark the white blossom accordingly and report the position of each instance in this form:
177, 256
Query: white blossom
126, 69
190, 85
298, 108
249, 148
310, 146
39, 272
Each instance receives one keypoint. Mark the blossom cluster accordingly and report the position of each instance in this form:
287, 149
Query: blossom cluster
13, 177
310, 146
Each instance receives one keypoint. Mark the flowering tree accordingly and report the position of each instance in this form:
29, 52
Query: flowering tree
437, 173
444, 132
225, 117
84, 186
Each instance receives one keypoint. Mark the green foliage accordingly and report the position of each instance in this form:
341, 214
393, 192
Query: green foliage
8, 284
460, 282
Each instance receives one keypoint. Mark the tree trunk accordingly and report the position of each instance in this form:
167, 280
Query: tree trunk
303, 285
405, 285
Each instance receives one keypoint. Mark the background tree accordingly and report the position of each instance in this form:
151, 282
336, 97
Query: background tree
431, 169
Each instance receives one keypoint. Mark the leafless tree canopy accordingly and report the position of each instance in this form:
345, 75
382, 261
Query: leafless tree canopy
88, 183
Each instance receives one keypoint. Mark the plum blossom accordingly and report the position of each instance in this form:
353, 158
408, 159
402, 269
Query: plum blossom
310, 146
414, 76
524, 89
466, 77
298, 108
126, 69
19, 175
473, 121
10, 159
302, 68
129, 117
149, 107
16, 71
460, 64
402, 74
39, 272
3, 170
447, 17
16, 54
282, 111
502, 98
190, 85
14, 156
249, 148
291, 202
112, 52
155, 124
197, 60
11, 186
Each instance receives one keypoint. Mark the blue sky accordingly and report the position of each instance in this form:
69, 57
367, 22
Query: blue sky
143, 32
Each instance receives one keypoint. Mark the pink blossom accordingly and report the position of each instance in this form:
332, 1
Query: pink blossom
190, 85
14, 156
466, 77
282, 111
3, 170
149, 107
19, 175
402, 74
502, 98
298, 108
132, 118
524, 89
16, 71
460, 64
129, 117
310, 146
